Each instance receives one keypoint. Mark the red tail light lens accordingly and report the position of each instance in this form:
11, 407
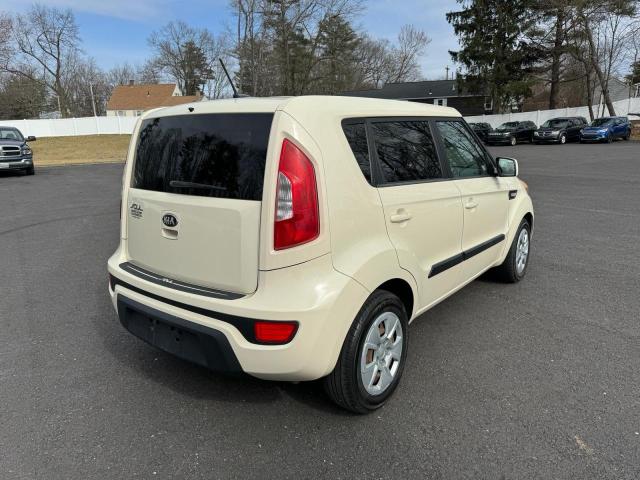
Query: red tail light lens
276, 333
296, 220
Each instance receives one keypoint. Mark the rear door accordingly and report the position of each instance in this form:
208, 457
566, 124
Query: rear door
194, 203
422, 206
485, 197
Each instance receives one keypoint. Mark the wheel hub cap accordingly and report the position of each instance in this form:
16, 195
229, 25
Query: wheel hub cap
522, 251
381, 353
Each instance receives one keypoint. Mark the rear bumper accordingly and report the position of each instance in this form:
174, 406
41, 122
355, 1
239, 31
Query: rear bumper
187, 340
17, 164
323, 301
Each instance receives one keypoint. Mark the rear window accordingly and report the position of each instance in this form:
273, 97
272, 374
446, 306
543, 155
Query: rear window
210, 155
357, 137
406, 151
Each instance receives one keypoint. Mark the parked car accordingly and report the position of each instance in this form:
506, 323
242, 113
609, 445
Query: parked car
560, 130
295, 239
15, 153
606, 129
482, 129
511, 133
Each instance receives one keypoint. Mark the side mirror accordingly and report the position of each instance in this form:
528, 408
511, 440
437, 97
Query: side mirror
31, 138
507, 167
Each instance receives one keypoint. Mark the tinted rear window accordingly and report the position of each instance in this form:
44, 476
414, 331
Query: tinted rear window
406, 151
357, 137
212, 155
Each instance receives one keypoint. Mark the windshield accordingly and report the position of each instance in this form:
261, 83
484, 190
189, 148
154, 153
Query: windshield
602, 122
556, 123
508, 126
10, 134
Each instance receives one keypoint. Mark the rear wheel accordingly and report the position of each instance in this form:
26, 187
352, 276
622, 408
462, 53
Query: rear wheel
515, 265
373, 355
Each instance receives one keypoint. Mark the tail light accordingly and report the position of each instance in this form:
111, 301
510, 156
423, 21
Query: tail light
297, 219
276, 333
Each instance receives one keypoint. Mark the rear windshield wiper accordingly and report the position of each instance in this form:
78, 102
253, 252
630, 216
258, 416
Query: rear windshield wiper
181, 184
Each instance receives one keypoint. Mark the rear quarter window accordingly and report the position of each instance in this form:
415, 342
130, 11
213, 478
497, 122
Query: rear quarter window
357, 137
211, 155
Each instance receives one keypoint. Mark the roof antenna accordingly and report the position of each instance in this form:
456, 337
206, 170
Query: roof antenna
233, 87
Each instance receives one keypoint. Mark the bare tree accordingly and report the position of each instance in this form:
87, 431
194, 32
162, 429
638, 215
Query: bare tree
188, 55
604, 28
40, 43
381, 62
122, 74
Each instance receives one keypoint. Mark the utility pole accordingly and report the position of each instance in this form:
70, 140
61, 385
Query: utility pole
93, 100
446, 69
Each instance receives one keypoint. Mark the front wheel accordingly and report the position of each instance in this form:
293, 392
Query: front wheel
373, 355
30, 171
514, 141
515, 265
563, 139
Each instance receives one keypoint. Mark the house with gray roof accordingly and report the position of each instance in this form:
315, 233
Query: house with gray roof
436, 92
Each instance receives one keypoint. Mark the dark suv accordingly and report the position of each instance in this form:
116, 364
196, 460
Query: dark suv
560, 130
511, 133
15, 154
481, 129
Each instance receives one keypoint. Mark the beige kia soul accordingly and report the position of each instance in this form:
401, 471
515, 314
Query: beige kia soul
296, 238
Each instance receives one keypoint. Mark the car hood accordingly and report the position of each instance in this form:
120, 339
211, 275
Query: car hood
595, 129
503, 130
12, 143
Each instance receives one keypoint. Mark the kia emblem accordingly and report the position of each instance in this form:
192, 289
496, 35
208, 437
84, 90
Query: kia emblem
170, 220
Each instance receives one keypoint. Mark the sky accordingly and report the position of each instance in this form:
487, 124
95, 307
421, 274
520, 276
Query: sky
116, 31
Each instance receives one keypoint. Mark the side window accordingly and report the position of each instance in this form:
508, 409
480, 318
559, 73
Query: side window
357, 137
466, 158
406, 151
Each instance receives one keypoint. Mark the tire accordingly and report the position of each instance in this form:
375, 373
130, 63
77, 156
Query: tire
514, 141
346, 384
627, 137
511, 271
30, 171
563, 139
609, 139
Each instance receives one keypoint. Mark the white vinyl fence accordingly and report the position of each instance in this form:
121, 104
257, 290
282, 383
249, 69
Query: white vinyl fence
622, 107
65, 127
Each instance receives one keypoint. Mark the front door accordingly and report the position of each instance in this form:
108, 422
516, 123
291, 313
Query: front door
485, 197
422, 207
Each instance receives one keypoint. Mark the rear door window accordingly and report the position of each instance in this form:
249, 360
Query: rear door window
406, 151
210, 155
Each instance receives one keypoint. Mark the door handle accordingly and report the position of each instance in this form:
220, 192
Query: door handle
400, 217
471, 204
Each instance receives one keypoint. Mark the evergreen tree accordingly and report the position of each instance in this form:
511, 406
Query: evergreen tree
338, 43
495, 51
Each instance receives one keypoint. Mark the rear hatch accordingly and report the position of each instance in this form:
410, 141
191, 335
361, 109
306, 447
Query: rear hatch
193, 209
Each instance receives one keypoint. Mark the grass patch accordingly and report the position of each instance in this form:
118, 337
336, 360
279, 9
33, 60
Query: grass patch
80, 149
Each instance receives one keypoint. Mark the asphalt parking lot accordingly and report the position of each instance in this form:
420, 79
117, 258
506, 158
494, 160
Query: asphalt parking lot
535, 380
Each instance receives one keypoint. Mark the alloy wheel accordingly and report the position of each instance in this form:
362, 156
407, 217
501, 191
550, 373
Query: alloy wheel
522, 251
